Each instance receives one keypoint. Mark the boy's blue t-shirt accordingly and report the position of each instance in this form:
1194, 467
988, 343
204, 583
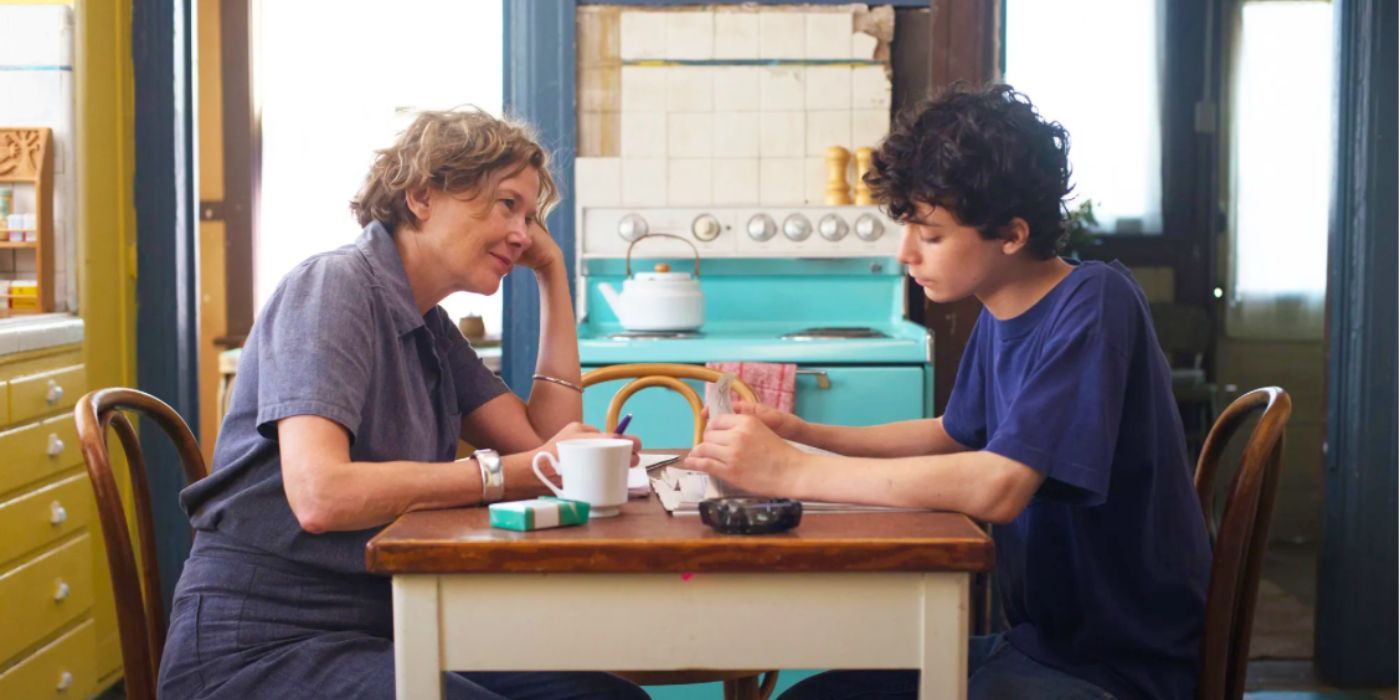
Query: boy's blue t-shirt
1104, 574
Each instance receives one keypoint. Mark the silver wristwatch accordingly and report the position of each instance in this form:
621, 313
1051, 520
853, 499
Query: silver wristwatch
493, 477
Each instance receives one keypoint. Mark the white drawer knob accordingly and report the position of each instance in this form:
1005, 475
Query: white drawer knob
57, 514
60, 593
55, 445
65, 681
55, 393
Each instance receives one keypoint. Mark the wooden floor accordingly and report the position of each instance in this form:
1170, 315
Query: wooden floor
1281, 651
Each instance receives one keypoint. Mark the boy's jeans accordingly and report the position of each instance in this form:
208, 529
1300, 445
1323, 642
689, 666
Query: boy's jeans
995, 671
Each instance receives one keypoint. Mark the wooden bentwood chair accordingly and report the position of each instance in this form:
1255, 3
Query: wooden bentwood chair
140, 617
738, 685
1241, 538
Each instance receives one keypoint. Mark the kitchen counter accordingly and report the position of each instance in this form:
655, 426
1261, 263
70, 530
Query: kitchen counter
26, 333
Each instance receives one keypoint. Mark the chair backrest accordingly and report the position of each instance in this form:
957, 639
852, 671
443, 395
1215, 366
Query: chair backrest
664, 375
140, 618
1242, 537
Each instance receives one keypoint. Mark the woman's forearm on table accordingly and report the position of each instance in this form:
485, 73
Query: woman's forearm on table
552, 406
358, 495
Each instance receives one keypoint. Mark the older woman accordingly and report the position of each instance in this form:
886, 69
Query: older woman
353, 392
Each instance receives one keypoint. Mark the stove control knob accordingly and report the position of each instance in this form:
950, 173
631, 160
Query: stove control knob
705, 228
833, 228
869, 228
797, 228
632, 227
762, 228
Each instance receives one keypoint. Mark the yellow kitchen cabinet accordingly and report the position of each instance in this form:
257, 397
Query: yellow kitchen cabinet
60, 636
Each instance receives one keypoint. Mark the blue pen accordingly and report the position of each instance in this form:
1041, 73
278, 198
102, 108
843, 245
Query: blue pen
622, 424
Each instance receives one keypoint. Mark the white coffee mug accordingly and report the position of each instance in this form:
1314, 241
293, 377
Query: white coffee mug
593, 470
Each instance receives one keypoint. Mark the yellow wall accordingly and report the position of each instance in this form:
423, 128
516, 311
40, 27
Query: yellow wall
106, 168
213, 321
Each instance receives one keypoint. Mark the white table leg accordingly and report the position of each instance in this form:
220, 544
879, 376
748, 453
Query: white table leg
943, 671
417, 638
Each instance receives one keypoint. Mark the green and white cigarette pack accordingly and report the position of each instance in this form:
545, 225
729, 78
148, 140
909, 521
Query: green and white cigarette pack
538, 513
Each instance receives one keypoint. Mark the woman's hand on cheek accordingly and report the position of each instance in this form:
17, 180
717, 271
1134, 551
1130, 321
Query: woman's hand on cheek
543, 250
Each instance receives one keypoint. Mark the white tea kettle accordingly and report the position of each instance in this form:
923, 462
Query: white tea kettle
661, 300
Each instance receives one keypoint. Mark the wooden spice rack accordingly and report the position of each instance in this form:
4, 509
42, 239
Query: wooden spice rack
26, 158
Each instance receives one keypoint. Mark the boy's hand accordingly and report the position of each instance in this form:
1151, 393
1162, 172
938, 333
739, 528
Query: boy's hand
786, 425
744, 451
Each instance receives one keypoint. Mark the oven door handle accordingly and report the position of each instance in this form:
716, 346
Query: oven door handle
823, 380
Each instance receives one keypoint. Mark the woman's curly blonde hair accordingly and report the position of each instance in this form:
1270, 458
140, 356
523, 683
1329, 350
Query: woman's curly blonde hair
456, 151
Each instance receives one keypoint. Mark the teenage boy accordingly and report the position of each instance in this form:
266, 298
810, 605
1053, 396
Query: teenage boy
1061, 429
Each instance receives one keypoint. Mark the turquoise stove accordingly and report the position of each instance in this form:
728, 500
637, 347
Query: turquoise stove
814, 286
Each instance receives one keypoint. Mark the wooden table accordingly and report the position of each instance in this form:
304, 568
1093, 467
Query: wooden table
649, 591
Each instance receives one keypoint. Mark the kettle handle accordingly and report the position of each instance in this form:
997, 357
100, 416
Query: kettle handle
662, 235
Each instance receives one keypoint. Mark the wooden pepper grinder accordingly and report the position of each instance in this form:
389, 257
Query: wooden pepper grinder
863, 197
837, 190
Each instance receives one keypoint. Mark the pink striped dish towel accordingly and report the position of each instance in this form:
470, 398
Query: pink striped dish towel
774, 384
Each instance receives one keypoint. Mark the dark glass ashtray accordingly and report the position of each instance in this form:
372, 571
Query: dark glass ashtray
750, 516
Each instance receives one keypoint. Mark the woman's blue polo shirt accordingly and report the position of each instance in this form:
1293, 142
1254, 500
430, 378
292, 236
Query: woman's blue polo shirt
340, 338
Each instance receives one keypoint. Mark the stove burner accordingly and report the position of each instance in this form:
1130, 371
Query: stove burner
837, 332
654, 335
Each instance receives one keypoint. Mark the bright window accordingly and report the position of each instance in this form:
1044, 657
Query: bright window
1281, 168
331, 95
1093, 66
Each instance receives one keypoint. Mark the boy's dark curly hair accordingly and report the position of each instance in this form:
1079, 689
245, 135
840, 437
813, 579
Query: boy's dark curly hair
984, 154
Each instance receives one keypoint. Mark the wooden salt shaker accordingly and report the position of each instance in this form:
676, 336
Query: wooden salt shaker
863, 156
837, 190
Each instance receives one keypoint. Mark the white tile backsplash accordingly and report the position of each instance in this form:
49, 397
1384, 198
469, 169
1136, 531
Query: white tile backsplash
863, 46
642, 35
829, 34
736, 33
826, 129
690, 134
736, 89
598, 181
782, 134
780, 181
689, 182
644, 88
690, 89
735, 181
828, 87
870, 89
868, 127
781, 88
736, 135
814, 178
643, 181
643, 135
690, 35
782, 34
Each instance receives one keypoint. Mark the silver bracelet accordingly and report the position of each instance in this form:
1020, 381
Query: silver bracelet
493, 477
560, 382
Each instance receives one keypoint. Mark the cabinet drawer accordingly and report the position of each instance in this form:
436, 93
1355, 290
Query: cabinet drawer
38, 451
62, 669
39, 517
44, 393
45, 593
